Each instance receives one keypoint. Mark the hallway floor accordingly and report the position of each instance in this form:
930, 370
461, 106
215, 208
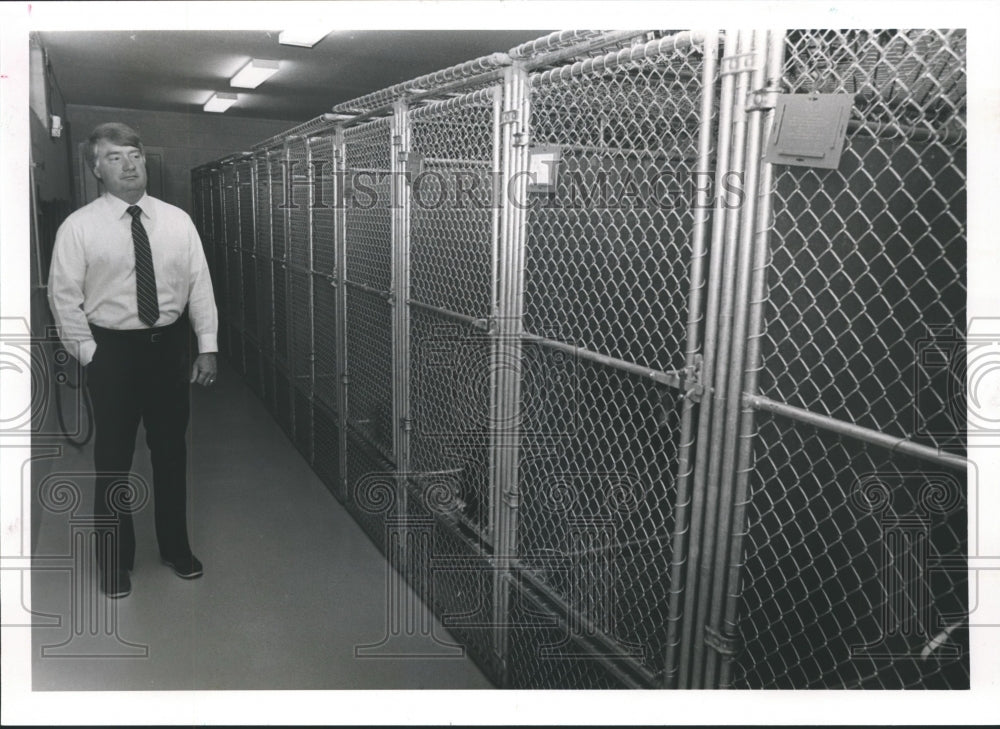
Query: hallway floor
292, 585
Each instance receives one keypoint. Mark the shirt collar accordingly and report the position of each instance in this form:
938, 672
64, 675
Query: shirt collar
119, 207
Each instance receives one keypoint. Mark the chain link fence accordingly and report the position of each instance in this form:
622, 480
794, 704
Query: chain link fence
614, 428
867, 268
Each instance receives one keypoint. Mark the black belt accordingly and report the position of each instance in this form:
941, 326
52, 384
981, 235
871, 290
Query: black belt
149, 336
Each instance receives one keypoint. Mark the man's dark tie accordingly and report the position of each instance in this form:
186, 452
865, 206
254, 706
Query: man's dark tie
145, 278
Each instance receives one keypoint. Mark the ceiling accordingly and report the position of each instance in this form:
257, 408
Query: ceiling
179, 70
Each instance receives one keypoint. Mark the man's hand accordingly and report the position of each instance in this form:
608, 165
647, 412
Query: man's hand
205, 369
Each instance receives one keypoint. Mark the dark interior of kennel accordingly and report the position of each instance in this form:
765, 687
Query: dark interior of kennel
501, 394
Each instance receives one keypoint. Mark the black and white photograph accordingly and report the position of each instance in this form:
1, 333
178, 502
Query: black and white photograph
471, 362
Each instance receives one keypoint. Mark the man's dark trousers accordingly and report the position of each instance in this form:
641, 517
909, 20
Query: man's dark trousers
135, 376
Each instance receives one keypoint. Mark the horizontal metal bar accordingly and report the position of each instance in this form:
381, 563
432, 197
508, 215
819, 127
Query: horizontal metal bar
417, 97
627, 151
659, 47
361, 434
905, 131
858, 432
477, 322
320, 122
427, 83
458, 162
387, 295
553, 42
671, 379
457, 100
567, 614
587, 46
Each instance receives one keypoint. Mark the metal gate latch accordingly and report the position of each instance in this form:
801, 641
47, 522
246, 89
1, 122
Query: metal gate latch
724, 644
691, 382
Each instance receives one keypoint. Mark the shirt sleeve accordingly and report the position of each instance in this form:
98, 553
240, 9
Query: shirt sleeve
66, 295
201, 297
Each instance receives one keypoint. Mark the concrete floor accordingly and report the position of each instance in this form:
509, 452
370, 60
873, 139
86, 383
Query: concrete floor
292, 585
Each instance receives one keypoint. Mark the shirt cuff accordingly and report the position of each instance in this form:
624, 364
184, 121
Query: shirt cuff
208, 343
87, 350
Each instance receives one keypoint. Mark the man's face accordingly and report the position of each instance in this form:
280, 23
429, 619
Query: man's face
121, 169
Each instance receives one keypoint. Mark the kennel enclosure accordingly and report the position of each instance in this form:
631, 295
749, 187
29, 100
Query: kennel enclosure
626, 402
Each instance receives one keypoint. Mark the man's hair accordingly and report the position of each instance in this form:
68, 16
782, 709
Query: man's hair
114, 132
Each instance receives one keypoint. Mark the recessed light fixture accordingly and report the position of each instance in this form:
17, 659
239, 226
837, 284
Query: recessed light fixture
305, 37
254, 74
221, 101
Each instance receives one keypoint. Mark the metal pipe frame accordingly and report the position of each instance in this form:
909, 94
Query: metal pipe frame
496, 166
553, 42
715, 482
422, 85
340, 255
754, 146
286, 257
506, 428
564, 54
310, 254
253, 258
670, 379
270, 269
224, 274
702, 444
696, 294
754, 336
891, 443
323, 121
908, 132
400, 286
382, 293
602, 646
609, 61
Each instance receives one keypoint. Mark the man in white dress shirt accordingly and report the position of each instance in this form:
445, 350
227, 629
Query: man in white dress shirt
128, 271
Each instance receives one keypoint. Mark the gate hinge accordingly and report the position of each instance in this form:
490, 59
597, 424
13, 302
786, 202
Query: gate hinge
762, 99
407, 424
691, 382
397, 140
724, 644
738, 63
509, 117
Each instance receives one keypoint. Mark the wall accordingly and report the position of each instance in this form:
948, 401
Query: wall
187, 140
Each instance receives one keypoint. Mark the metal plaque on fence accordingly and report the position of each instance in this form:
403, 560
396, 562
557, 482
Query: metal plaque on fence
809, 130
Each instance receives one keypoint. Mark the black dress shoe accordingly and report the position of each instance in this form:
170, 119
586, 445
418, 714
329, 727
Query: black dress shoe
187, 567
115, 583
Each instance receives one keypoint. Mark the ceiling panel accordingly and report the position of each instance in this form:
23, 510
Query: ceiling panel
179, 70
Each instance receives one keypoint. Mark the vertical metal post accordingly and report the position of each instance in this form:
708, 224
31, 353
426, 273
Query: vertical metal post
699, 231
310, 255
747, 221
252, 166
340, 254
714, 482
287, 194
270, 271
496, 205
688, 641
401, 295
506, 444
220, 245
757, 300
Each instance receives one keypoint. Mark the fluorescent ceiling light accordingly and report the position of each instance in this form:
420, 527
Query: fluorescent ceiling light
221, 101
254, 74
305, 37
